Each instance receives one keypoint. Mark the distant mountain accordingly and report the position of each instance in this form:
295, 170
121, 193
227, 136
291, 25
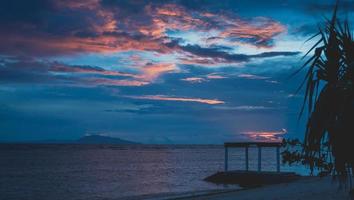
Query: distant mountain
98, 139
91, 139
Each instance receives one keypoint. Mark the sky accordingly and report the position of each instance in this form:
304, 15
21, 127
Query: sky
157, 72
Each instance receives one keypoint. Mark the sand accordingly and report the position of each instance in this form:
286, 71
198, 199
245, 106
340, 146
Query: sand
313, 188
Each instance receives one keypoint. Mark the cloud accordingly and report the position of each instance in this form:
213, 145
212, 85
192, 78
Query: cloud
204, 78
194, 79
63, 68
45, 28
48, 29
183, 99
215, 76
259, 31
114, 82
27, 70
120, 51
152, 71
243, 108
252, 76
272, 81
265, 136
214, 55
65, 27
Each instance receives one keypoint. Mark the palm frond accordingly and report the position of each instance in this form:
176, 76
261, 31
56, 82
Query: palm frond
329, 94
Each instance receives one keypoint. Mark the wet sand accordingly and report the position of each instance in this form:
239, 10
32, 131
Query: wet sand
311, 188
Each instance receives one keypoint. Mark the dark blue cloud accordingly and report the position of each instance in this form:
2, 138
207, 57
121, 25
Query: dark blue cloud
218, 53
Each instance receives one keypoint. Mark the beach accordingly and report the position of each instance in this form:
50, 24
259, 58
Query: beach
312, 188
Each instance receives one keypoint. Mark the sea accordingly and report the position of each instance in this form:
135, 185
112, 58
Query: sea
90, 172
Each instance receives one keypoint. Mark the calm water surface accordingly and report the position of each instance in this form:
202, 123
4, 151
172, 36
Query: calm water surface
113, 171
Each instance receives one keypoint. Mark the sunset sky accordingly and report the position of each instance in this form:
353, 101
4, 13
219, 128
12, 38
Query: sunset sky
182, 71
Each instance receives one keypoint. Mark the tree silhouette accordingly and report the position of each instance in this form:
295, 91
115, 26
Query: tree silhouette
329, 96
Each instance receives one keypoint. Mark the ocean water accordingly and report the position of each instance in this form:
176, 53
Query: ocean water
115, 171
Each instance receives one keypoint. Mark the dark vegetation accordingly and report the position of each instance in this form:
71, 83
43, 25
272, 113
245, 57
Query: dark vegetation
329, 102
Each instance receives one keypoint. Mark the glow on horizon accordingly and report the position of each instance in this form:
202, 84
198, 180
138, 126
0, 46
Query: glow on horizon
183, 99
265, 136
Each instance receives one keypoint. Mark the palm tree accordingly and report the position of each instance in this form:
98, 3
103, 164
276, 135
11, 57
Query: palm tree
329, 96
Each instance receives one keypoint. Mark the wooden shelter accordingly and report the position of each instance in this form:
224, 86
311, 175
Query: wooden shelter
248, 145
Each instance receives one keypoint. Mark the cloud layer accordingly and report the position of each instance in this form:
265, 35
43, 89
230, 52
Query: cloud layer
152, 39
44, 28
186, 71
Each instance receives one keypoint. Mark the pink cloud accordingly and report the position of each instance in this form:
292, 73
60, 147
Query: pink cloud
261, 29
183, 99
266, 136
252, 76
174, 17
215, 76
194, 79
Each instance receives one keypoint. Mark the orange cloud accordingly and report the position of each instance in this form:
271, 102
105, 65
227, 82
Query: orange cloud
257, 32
265, 136
168, 98
152, 71
170, 10
260, 29
173, 17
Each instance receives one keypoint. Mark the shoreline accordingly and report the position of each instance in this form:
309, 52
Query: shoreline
180, 195
314, 188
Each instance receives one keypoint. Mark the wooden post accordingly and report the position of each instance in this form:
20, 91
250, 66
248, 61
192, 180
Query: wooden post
226, 158
246, 149
278, 159
259, 159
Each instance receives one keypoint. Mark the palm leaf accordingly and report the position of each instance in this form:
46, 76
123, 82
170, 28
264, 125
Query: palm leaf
331, 107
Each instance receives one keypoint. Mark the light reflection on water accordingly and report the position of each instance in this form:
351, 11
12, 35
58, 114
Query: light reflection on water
113, 171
